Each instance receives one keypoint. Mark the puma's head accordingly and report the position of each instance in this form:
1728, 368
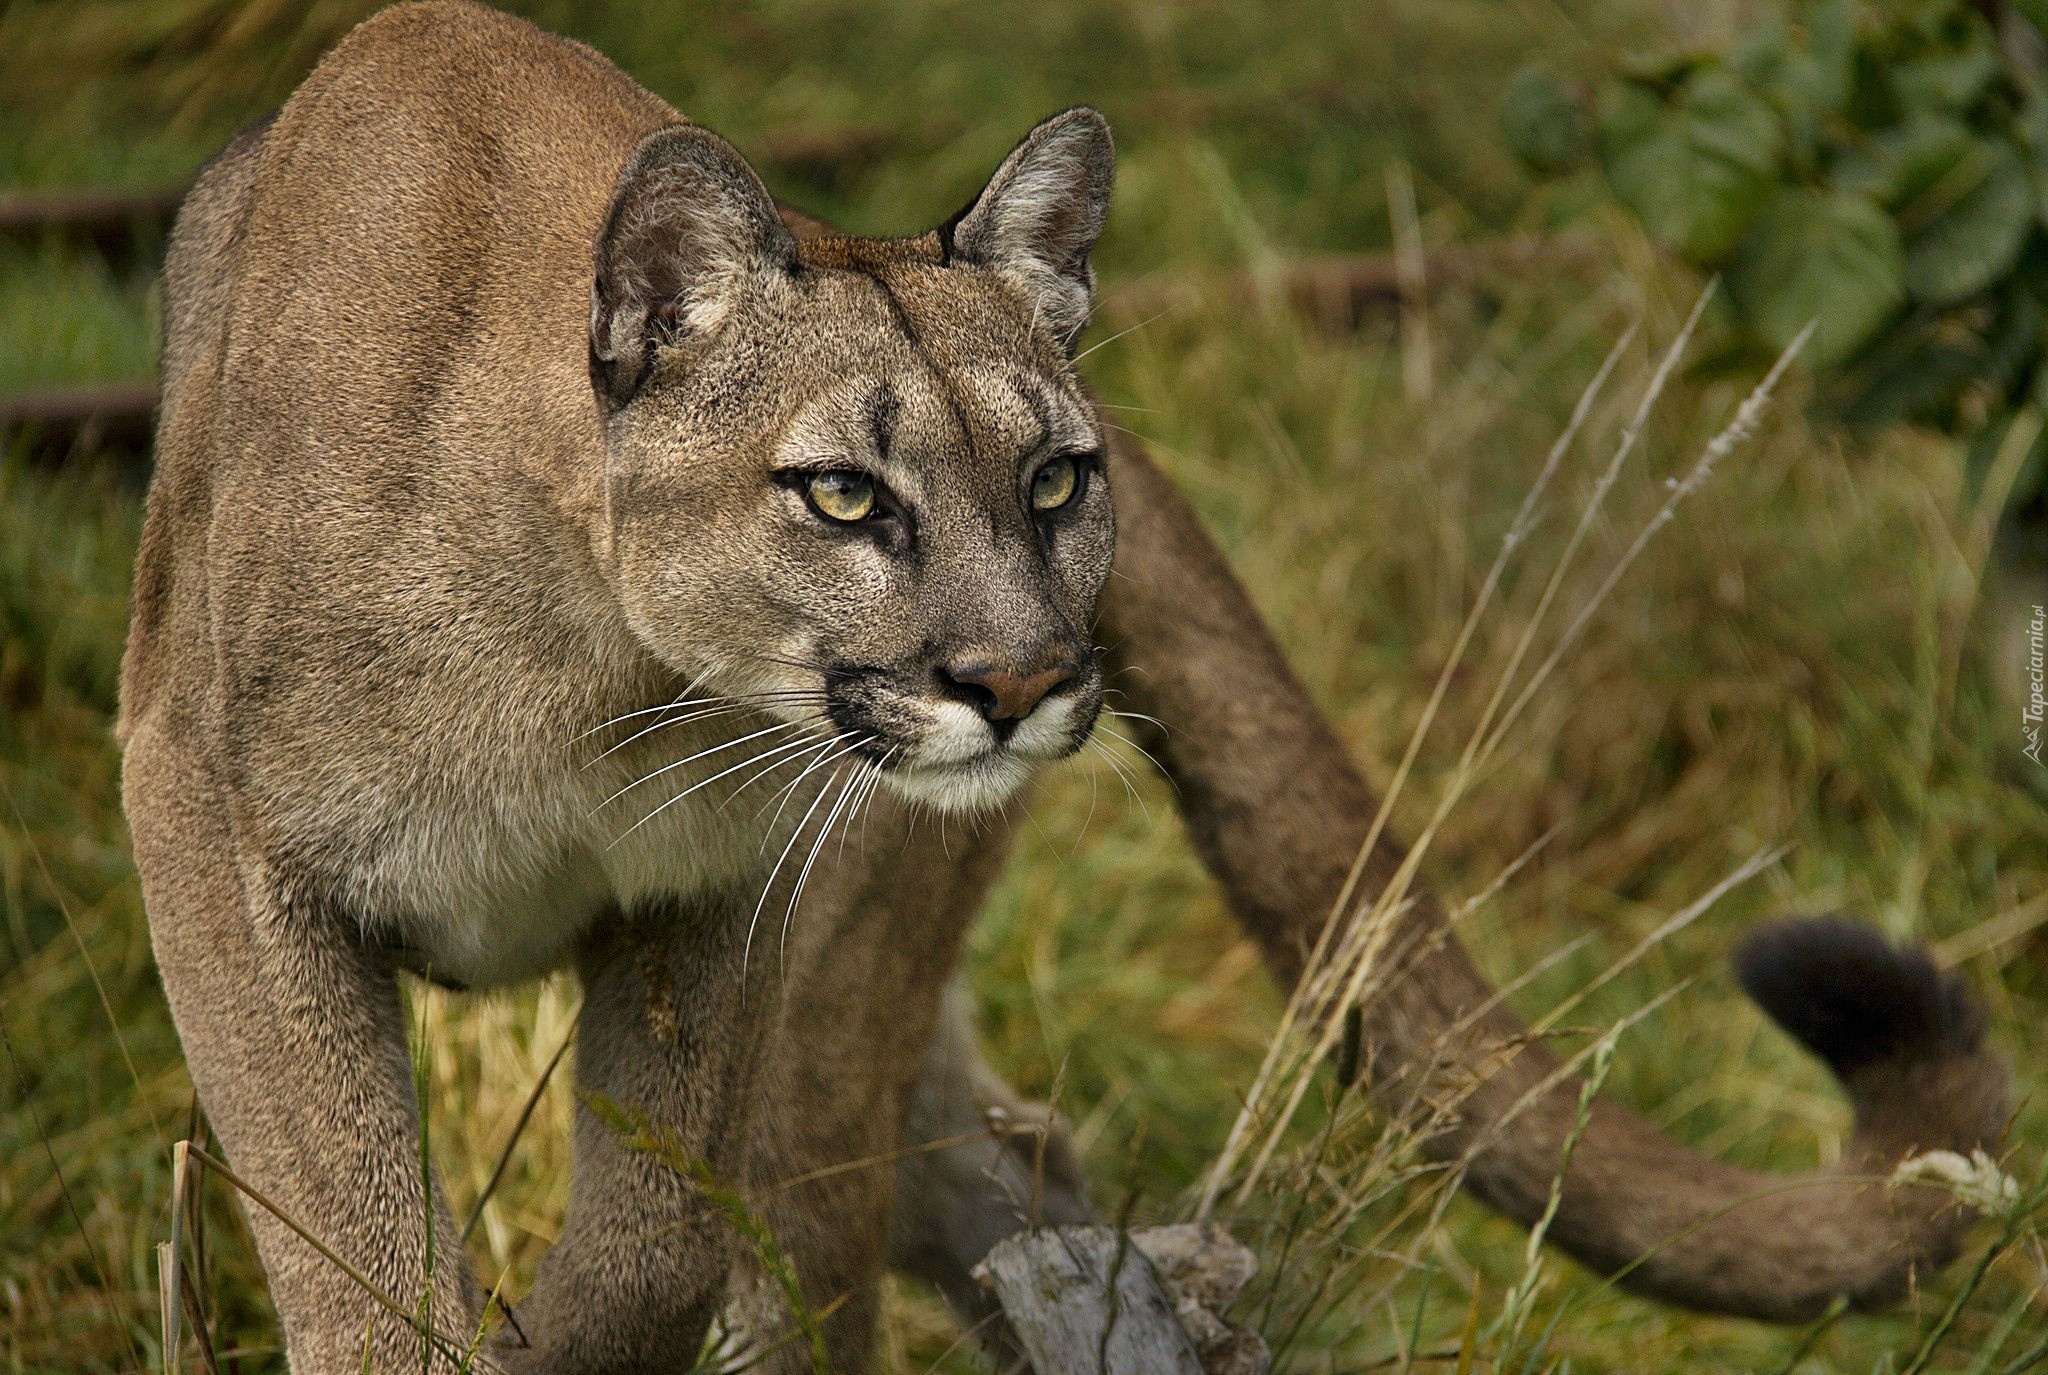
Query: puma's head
859, 477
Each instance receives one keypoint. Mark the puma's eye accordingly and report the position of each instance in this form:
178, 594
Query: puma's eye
842, 496
1055, 484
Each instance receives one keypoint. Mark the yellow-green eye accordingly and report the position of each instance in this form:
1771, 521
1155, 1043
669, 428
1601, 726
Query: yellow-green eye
1055, 484
842, 496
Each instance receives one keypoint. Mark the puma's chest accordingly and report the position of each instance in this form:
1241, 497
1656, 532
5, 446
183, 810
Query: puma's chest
484, 887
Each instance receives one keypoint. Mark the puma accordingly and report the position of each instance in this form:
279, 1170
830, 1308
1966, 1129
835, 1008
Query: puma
534, 502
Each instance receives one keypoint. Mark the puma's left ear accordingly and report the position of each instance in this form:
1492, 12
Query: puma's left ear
691, 234
1038, 218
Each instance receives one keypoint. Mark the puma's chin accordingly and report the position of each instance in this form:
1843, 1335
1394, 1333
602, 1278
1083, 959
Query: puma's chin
969, 787
959, 765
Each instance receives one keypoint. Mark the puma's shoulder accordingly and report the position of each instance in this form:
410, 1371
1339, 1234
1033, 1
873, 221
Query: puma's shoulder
423, 207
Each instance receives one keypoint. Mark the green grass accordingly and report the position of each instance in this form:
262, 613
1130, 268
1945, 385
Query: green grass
1794, 663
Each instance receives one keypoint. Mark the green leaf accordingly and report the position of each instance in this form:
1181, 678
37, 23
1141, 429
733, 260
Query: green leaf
1952, 78
1785, 74
1765, 54
1831, 31
1831, 258
1898, 164
1914, 372
1696, 169
1545, 126
1977, 237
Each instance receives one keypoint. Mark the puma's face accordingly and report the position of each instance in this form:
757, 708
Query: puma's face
858, 480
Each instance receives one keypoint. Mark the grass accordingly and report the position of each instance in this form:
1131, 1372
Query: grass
1794, 662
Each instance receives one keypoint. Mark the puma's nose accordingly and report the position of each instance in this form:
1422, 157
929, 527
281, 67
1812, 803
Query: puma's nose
1003, 692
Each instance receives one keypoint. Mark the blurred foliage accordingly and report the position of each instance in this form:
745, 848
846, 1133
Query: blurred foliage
140, 91
1879, 169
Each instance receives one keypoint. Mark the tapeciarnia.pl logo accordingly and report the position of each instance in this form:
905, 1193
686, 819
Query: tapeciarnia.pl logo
2037, 700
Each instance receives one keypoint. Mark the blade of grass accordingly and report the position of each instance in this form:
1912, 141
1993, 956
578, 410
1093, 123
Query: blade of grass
70, 1203
448, 1347
526, 1111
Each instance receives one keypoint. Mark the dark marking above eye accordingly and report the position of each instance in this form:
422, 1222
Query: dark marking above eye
883, 408
901, 316
1032, 393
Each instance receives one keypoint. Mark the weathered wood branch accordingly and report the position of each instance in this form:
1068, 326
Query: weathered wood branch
110, 219
1086, 1301
1096, 1301
1338, 292
55, 422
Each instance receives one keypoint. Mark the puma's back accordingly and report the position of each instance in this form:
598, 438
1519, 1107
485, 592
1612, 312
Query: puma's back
465, 272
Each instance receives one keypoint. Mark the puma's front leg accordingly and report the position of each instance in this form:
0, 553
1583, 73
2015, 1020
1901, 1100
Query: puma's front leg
668, 1040
870, 955
295, 1037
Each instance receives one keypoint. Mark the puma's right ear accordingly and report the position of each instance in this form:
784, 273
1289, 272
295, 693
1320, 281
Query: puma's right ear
1039, 216
691, 231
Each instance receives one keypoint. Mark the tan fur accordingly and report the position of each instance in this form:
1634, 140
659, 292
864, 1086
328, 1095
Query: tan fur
477, 363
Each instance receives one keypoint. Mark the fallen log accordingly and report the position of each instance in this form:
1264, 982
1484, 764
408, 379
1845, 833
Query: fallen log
112, 220
1091, 1300
53, 423
1338, 292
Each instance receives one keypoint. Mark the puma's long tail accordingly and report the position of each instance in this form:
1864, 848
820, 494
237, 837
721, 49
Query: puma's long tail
1278, 813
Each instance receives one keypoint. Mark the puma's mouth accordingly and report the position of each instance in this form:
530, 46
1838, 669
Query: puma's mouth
951, 757
977, 785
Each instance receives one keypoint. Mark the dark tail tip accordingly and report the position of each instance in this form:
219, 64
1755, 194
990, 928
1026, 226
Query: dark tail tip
1854, 998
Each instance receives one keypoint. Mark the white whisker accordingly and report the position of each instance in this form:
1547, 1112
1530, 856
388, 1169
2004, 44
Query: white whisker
1105, 343
860, 804
680, 699
1117, 766
788, 790
804, 875
867, 803
643, 711
747, 951
705, 706
700, 754
1119, 735
706, 782
1094, 794
706, 713
751, 779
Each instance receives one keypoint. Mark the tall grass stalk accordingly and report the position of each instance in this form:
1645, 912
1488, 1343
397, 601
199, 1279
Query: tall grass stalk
1359, 955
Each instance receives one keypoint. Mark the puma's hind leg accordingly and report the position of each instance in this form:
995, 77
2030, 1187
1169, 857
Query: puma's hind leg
1011, 1164
860, 1084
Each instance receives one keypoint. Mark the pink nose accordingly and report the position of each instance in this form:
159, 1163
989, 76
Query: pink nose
1002, 693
